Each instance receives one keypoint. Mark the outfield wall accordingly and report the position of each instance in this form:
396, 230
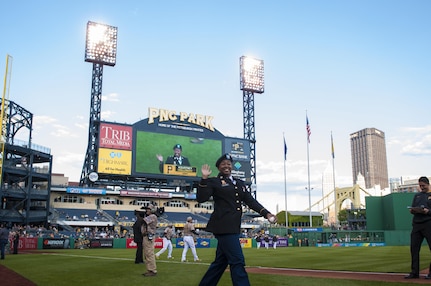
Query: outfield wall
383, 238
36, 243
314, 236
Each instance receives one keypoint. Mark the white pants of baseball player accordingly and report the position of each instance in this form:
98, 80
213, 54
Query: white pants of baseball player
167, 244
189, 243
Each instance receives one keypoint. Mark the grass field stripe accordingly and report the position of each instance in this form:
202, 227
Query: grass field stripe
123, 259
88, 256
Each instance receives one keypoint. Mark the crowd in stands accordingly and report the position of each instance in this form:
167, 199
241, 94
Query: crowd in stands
83, 235
110, 231
84, 215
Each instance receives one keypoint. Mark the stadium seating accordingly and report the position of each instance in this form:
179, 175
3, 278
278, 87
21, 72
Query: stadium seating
179, 217
122, 216
80, 215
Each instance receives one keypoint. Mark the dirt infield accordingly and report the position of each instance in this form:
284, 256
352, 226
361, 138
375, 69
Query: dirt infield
364, 276
14, 279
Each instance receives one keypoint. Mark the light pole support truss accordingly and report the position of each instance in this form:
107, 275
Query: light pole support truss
90, 163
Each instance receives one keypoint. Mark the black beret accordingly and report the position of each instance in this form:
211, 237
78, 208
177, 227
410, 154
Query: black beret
224, 157
424, 180
178, 146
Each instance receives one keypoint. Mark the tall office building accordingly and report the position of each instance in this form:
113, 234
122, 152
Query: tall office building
369, 157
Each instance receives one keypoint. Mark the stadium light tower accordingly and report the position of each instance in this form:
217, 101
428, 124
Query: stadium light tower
100, 49
251, 81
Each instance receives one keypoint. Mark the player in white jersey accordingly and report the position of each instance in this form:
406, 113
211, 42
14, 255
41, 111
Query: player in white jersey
188, 239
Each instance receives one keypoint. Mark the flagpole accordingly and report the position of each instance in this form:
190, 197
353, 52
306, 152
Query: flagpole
323, 201
308, 166
333, 179
285, 187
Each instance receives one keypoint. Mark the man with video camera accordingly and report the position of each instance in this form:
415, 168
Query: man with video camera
148, 229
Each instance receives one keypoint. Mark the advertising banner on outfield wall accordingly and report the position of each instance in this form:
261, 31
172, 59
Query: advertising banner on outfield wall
245, 242
102, 243
82, 242
200, 243
158, 243
24, 243
55, 243
130, 243
282, 242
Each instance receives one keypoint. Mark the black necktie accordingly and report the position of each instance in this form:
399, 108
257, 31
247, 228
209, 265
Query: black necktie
230, 180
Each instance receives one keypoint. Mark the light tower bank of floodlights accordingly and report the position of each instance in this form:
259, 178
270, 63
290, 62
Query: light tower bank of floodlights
100, 49
251, 81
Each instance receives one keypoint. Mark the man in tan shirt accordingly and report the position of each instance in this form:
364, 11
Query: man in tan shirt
149, 227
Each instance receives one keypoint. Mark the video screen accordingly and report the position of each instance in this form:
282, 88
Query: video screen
175, 155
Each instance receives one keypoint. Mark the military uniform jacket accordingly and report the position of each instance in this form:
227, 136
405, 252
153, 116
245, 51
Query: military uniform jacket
183, 161
228, 197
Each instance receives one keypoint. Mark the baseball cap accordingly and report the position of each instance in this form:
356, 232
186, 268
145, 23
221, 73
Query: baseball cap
177, 146
149, 207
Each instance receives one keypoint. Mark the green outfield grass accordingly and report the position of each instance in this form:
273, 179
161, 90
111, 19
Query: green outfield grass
116, 266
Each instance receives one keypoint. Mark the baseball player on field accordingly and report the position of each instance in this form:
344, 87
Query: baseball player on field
188, 239
167, 243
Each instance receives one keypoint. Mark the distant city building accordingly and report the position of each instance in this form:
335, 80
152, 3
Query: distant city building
394, 183
408, 184
368, 150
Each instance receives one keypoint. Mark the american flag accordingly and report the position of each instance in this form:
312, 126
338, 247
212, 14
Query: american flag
332, 147
285, 149
308, 129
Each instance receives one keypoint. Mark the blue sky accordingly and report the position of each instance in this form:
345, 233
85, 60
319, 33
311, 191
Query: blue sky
349, 64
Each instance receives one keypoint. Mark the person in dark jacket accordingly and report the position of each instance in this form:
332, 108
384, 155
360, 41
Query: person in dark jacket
421, 210
4, 237
15, 242
137, 238
274, 241
228, 193
266, 240
258, 240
